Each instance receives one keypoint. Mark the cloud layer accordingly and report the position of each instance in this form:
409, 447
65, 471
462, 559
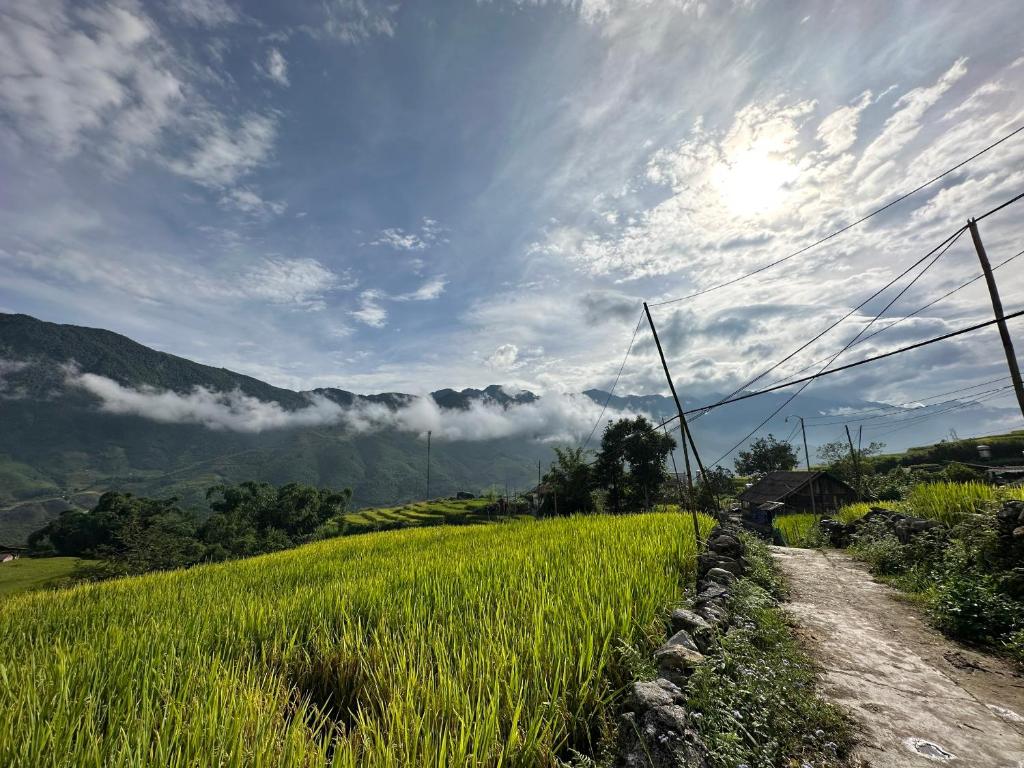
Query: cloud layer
551, 418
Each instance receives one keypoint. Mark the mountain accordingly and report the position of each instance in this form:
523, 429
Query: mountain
86, 410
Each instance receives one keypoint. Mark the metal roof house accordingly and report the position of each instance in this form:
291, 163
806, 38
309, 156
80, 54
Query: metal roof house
781, 492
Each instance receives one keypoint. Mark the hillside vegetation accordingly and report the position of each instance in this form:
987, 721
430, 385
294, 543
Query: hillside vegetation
458, 646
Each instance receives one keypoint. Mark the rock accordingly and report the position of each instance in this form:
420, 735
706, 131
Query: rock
678, 694
659, 738
720, 576
715, 614
683, 638
698, 627
708, 561
1018, 532
710, 592
675, 662
725, 544
646, 695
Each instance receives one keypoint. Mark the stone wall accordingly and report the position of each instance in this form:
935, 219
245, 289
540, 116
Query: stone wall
655, 729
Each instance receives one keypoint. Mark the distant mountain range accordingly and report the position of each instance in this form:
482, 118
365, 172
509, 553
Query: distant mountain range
85, 410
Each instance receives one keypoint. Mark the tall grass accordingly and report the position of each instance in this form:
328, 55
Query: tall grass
798, 530
949, 503
850, 512
444, 646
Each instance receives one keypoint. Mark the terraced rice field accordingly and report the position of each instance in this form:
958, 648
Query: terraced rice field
442, 646
421, 513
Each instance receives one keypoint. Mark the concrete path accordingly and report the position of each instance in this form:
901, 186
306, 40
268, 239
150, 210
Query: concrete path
921, 700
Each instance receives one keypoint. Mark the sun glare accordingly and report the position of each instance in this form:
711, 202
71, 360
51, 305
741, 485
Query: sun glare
754, 182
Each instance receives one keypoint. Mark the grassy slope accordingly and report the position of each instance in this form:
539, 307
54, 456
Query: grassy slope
26, 574
471, 645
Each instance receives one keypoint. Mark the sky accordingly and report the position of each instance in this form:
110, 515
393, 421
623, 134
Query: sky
405, 196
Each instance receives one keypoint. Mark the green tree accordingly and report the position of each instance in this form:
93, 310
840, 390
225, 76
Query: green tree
630, 465
766, 454
570, 481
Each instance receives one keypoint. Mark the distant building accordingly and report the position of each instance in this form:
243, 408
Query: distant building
784, 492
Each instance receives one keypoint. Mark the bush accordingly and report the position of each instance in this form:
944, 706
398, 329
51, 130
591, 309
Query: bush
755, 699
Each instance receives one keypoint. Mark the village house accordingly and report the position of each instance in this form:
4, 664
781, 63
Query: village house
785, 492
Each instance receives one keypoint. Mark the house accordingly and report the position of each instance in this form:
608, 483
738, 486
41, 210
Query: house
783, 492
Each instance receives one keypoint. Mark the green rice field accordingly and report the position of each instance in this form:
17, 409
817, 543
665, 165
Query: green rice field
420, 513
497, 645
26, 573
949, 503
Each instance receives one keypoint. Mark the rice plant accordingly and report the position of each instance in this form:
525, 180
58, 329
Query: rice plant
850, 512
443, 646
798, 530
951, 503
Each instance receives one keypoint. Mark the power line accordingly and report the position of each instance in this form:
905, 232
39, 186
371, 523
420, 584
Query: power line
841, 368
614, 383
889, 410
848, 227
917, 311
904, 423
945, 245
848, 344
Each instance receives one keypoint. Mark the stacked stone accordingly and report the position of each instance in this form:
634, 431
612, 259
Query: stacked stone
655, 731
903, 527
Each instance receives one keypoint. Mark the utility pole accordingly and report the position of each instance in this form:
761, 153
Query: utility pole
428, 465
997, 307
807, 460
684, 429
853, 457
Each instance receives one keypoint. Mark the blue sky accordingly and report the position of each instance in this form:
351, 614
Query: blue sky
407, 196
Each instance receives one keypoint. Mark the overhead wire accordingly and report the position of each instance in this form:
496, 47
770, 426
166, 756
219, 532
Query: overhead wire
850, 226
848, 344
614, 383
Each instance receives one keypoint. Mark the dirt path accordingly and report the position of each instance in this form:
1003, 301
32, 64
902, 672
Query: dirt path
920, 699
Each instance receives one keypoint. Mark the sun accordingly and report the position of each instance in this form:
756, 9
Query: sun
754, 182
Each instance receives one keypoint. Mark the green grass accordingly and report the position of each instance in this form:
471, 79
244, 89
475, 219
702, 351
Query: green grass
29, 573
444, 646
798, 530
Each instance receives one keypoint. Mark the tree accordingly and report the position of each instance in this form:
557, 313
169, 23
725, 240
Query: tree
570, 481
630, 465
837, 460
766, 454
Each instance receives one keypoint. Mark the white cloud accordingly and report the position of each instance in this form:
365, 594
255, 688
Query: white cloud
353, 21
430, 290
554, 417
222, 154
300, 282
429, 233
71, 75
504, 357
276, 67
370, 311
209, 13
838, 131
248, 201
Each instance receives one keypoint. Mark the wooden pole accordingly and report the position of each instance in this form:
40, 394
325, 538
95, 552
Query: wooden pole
853, 457
807, 459
428, 465
684, 431
997, 308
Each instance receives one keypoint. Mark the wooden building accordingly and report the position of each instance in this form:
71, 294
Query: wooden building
784, 492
